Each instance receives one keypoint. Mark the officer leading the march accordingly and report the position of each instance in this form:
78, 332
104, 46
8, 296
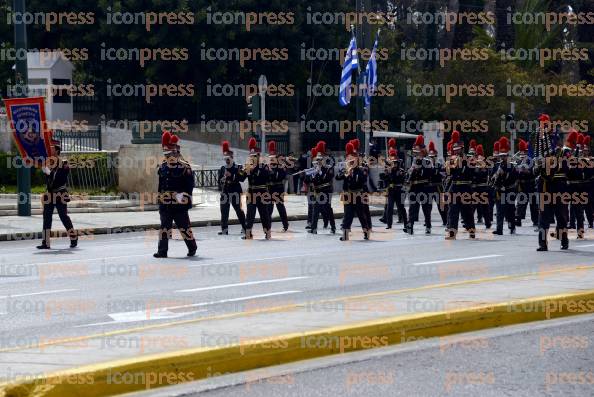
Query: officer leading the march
230, 188
176, 184
56, 196
393, 177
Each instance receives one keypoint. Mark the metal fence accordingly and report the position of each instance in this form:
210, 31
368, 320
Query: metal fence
206, 178
80, 141
92, 172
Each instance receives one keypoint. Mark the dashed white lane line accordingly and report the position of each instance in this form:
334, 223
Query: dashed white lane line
472, 258
56, 291
166, 313
270, 281
254, 260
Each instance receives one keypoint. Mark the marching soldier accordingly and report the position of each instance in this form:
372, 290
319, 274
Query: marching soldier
526, 187
276, 184
577, 181
461, 175
258, 196
435, 187
417, 180
230, 188
551, 186
365, 168
505, 182
589, 161
176, 184
56, 196
481, 186
322, 182
307, 181
393, 177
353, 193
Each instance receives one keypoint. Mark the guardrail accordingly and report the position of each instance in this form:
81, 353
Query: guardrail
80, 141
206, 178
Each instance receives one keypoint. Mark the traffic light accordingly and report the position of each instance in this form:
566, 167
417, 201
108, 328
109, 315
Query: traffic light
254, 108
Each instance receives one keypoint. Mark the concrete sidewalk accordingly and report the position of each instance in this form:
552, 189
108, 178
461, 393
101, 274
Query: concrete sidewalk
205, 213
404, 315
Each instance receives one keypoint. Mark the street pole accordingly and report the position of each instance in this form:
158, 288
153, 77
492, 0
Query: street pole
262, 88
513, 131
21, 86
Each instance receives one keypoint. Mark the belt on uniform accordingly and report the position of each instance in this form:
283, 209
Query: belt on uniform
276, 183
435, 184
322, 185
486, 184
576, 182
394, 185
354, 190
419, 181
462, 182
259, 187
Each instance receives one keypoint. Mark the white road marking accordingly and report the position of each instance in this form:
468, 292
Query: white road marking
584, 246
167, 314
254, 260
57, 291
457, 260
80, 260
275, 280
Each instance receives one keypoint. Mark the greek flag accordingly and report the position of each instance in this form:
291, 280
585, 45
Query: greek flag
371, 75
351, 63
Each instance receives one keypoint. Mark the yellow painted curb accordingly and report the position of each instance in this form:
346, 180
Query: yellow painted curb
116, 377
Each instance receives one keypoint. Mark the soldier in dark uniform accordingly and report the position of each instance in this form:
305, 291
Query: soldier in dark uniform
505, 181
276, 184
589, 161
461, 176
551, 185
493, 165
417, 179
56, 196
230, 188
393, 177
353, 193
365, 168
577, 181
322, 182
435, 187
176, 184
481, 186
258, 197
526, 186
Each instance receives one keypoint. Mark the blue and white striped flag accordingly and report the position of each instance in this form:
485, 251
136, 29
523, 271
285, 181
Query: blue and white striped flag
371, 75
351, 63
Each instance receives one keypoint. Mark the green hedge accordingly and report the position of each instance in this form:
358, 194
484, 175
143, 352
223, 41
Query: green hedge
8, 174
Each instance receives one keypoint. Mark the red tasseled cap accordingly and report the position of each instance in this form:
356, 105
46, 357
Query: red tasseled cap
544, 118
174, 140
587, 141
356, 144
496, 147
420, 141
272, 148
314, 153
480, 151
252, 145
572, 138
432, 146
166, 138
225, 146
350, 149
504, 145
456, 136
523, 146
392, 143
393, 153
473, 144
450, 144
321, 147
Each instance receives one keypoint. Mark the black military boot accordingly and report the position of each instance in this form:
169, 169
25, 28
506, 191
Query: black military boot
248, 235
267, 234
43, 246
160, 254
580, 234
564, 240
542, 241
450, 235
345, 235
366, 234
224, 232
74, 243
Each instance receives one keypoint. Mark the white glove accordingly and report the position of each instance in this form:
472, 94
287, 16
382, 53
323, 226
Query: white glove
179, 197
46, 170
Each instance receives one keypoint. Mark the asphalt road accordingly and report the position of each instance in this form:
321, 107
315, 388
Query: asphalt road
553, 358
112, 282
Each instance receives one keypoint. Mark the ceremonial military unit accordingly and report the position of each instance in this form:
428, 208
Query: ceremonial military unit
555, 183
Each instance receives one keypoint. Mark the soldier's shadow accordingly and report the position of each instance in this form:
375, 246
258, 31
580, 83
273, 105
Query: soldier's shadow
54, 252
